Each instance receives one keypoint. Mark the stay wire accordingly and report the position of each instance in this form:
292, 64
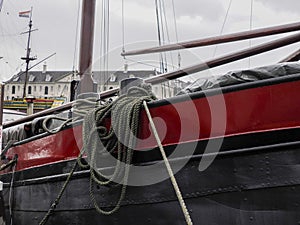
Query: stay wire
250, 28
76, 35
223, 26
176, 33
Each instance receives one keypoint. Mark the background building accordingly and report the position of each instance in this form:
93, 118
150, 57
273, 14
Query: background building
57, 84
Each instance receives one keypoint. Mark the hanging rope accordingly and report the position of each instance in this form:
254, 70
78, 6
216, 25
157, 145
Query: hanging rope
176, 33
56, 201
124, 114
119, 140
169, 169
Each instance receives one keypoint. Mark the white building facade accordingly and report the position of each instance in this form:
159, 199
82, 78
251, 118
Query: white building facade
57, 84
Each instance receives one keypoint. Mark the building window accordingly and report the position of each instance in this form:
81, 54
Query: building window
48, 78
46, 90
29, 90
13, 90
31, 78
113, 78
16, 78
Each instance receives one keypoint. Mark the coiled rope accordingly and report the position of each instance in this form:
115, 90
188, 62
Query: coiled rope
119, 139
124, 114
80, 109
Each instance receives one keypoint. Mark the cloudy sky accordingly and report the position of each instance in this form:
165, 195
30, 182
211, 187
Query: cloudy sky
56, 21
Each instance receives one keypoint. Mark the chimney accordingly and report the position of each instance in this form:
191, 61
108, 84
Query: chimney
44, 68
125, 67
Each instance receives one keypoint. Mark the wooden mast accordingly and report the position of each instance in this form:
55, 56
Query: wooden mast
86, 46
28, 58
219, 39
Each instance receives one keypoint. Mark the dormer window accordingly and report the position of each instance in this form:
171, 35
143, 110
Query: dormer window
31, 78
16, 78
131, 76
113, 78
48, 78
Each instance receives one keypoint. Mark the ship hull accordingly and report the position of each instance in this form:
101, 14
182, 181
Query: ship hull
250, 184
236, 163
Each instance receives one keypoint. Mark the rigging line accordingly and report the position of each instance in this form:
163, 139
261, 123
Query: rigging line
176, 33
162, 12
107, 38
104, 42
108, 31
250, 28
167, 33
143, 63
10, 35
102, 31
76, 35
158, 33
101, 35
5, 46
1, 4
223, 26
123, 28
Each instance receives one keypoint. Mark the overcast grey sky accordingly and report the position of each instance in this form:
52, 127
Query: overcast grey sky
56, 24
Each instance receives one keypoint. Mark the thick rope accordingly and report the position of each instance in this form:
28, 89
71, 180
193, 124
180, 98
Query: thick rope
56, 201
119, 140
169, 169
80, 109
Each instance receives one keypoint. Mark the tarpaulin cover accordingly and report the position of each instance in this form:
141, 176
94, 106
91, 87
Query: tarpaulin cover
243, 76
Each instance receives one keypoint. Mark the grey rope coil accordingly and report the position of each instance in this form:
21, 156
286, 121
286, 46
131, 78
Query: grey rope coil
119, 140
80, 109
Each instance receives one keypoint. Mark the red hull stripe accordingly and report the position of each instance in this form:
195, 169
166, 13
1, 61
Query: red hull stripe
238, 112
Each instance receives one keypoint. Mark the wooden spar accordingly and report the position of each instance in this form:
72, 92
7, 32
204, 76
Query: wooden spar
219, 39
86, 46
180, 73
226, 59
295, 56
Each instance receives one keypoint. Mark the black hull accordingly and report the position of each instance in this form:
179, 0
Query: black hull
251, 185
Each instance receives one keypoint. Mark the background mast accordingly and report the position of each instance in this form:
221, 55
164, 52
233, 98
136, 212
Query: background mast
27, 58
